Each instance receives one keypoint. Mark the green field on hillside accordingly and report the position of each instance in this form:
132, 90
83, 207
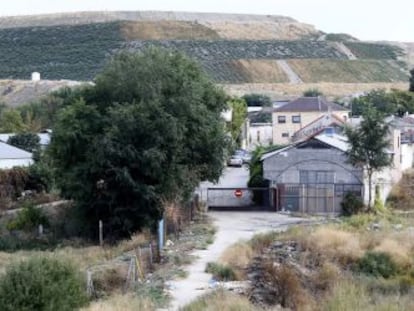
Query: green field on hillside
374, 50
63, 52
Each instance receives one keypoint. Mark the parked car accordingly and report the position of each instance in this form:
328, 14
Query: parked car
235, 160
244, 154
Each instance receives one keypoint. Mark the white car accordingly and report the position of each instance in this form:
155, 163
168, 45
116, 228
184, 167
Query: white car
235, 160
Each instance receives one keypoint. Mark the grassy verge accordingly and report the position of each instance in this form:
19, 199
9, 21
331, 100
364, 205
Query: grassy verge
365, 262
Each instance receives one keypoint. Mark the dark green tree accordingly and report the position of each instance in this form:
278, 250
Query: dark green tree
147, 132
411, 89
257, 100
312, 93
368, 144
25, 141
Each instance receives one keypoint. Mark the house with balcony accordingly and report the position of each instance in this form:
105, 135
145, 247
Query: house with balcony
310, 113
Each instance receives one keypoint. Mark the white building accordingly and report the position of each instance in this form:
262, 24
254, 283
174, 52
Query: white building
260, 134
11, 156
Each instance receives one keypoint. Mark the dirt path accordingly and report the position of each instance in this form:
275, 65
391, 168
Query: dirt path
231, 227
293, 77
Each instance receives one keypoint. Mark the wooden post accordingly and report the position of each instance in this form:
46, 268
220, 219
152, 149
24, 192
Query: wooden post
100, 233
151, 259
89, 283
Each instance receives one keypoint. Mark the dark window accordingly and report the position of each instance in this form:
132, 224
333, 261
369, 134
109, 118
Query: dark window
281, 119
295, 119
285, 134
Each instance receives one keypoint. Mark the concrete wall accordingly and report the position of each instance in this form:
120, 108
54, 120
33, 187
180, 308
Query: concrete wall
290, 128
261, 134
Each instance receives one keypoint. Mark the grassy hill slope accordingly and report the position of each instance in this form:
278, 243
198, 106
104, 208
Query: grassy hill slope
231, 48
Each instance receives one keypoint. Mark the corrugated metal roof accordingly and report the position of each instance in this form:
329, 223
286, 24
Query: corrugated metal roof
334, 140
11, 152
307, 104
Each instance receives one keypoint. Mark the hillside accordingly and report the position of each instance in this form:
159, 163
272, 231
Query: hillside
232, 48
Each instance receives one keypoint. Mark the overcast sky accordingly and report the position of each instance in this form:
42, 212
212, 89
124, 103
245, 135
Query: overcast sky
365, 19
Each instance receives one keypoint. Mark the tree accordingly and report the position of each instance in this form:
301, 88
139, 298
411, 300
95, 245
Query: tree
312, 93
25, 141
412, 80
11, 121
257, 100
239, 114
147, 132
368, 145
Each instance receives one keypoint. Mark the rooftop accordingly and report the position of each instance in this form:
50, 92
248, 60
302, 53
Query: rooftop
11, 152
308, 104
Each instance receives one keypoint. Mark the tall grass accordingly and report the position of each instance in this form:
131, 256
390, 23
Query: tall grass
220, 300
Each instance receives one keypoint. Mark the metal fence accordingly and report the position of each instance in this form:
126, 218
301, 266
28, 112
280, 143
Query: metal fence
239, 198
314, 198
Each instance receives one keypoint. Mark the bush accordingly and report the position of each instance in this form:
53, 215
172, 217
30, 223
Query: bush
29, 218
377, 264
41, 284
351, 204
221, 272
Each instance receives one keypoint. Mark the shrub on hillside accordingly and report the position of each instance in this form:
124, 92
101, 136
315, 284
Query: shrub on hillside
351, 205
377, 264
28, 219
41, 284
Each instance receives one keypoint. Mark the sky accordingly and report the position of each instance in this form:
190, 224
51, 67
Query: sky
364, 19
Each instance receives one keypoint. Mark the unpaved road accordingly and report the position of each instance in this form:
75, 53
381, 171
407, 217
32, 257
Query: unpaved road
231, 227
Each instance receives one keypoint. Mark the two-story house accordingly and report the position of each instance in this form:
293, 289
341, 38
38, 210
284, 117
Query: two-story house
299, 113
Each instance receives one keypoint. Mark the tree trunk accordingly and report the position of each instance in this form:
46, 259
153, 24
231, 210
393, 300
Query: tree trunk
369, 190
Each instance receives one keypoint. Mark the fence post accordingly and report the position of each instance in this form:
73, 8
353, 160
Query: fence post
100, 233
160, 236
89, 283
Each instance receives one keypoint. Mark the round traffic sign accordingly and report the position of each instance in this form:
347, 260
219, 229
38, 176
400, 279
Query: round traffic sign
238, 193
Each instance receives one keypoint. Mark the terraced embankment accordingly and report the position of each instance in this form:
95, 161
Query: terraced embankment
233, 49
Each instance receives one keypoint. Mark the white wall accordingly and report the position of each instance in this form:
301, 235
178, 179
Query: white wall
260, 134
407, 156
9, 163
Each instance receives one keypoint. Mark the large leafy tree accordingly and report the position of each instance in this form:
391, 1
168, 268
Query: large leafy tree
147, 132
239, 114
368, 144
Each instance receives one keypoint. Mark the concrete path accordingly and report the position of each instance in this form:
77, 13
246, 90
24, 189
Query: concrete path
344, 49
293, 77
231, 227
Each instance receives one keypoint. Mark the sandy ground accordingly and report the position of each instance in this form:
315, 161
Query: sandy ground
231, 227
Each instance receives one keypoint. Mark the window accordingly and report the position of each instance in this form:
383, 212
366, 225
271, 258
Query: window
281, 119
295, 119
285, 134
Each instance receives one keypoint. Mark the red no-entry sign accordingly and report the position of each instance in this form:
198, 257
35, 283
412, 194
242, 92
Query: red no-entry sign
238, 193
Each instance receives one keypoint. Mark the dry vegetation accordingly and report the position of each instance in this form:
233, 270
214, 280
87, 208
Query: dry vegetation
167, 30
265, 30
261, 71
347, 71
277, 90
327, 267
